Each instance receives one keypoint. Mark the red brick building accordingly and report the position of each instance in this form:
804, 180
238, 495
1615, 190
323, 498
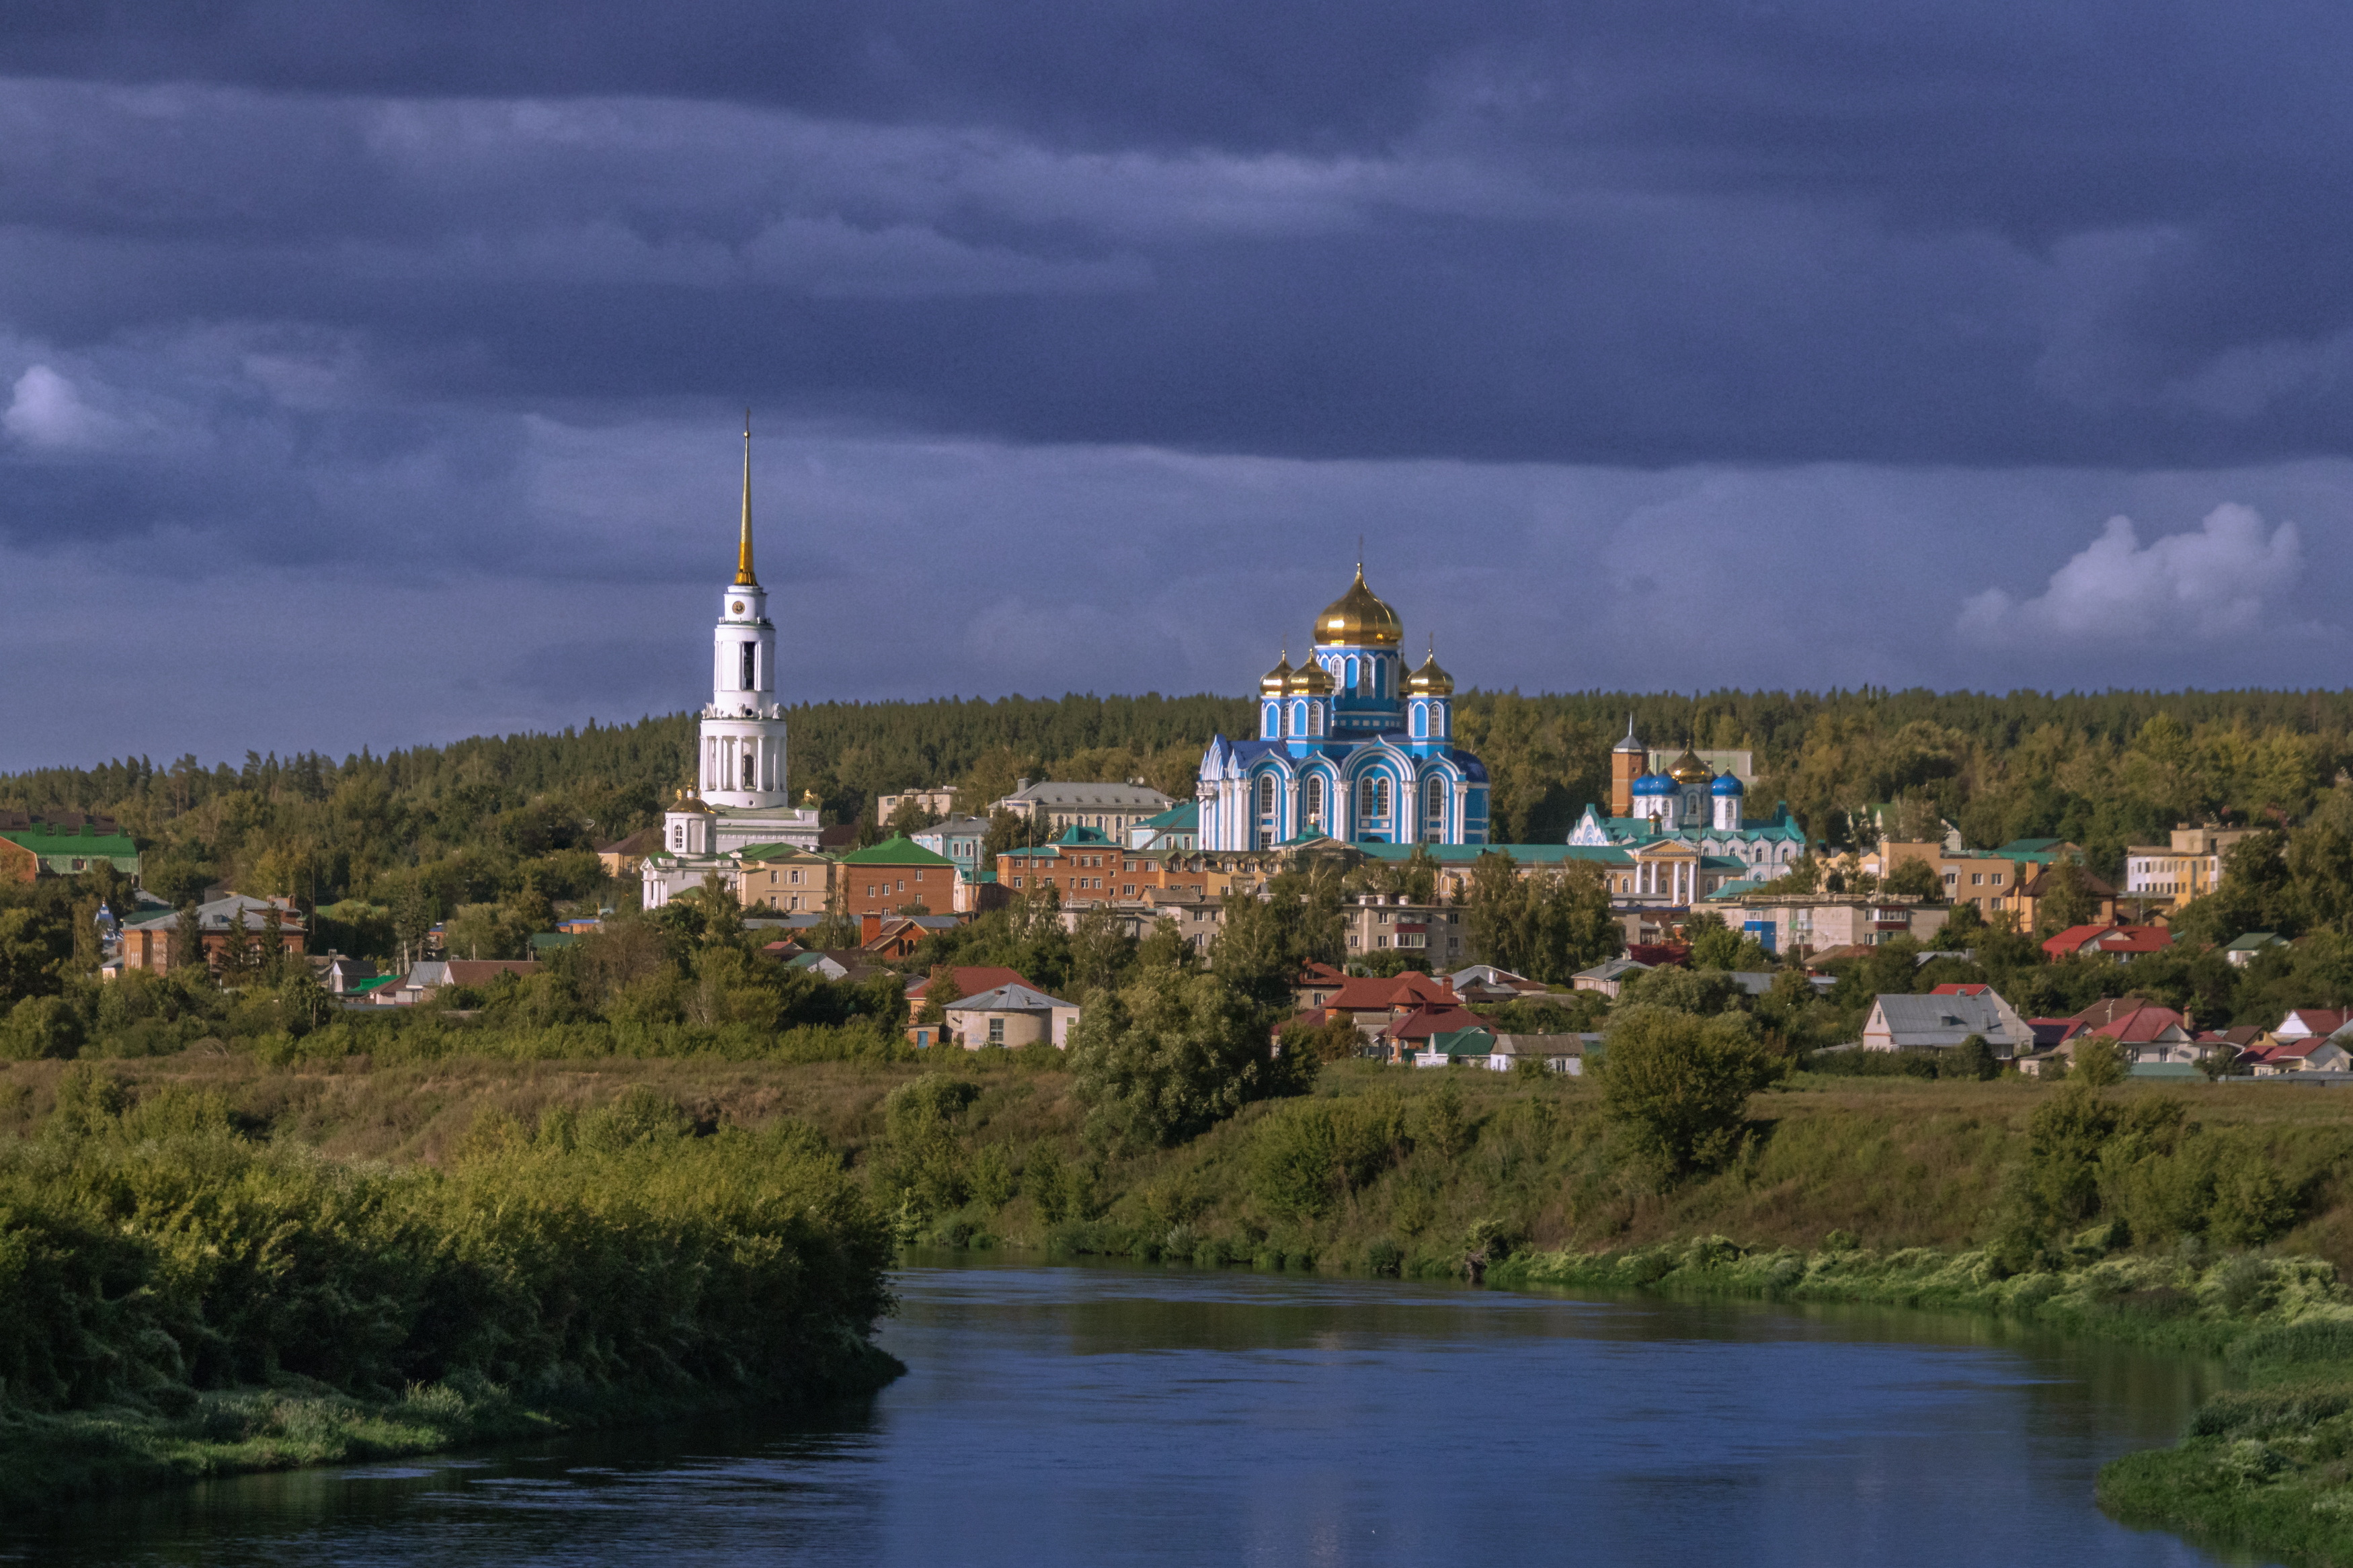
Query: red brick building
892, 877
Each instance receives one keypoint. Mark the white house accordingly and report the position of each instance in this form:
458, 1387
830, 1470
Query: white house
1899, 1023
1559, 1053
1010, 1016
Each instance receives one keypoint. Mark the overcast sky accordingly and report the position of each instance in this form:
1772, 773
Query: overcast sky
370, 373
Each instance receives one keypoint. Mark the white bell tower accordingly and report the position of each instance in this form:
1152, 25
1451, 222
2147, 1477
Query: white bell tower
742, 764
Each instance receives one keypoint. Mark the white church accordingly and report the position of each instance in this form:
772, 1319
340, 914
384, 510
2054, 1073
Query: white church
739, 803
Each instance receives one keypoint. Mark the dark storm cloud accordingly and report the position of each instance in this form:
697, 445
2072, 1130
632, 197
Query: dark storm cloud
414, 331
1648, 233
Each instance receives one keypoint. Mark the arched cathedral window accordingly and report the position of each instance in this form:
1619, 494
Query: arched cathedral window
1437, 807
1266, 795
1315, 799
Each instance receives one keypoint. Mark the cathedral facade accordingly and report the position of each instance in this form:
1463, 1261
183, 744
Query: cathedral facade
1350, 746
1688, 799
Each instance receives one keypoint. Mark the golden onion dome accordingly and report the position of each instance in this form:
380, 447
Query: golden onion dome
1277, 681
1688, 769
1358, 618
1313, 678
1429, 680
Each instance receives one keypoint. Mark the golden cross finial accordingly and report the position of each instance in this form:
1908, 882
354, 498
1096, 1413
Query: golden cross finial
743, 577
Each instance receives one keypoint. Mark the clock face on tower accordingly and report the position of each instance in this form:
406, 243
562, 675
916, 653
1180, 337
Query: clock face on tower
735, 608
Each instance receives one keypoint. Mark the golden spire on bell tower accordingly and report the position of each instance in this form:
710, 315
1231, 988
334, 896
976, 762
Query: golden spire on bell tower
743, 577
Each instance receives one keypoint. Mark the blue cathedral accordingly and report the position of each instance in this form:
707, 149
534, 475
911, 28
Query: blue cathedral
1349, 746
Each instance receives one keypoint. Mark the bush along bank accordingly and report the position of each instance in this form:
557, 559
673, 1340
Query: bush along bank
2268, 1467
184, 1302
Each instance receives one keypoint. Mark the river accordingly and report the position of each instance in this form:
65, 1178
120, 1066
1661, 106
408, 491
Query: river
1105, 1415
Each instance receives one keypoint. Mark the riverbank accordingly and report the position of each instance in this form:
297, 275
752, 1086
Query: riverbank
2185, 1217
184, 1299
50, 1459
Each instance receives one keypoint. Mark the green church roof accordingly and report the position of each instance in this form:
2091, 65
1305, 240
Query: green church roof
90, 845
899, 850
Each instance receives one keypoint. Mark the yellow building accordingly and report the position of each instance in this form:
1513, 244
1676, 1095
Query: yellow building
2184, 869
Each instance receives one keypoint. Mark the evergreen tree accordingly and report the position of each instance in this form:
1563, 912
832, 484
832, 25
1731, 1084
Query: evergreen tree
187, 948
237, 951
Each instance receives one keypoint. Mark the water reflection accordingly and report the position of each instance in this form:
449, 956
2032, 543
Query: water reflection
1095, 1415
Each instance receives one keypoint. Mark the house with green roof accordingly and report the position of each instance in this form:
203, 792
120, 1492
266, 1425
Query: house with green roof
897, 876
2244, 950
66, 848
1178, 828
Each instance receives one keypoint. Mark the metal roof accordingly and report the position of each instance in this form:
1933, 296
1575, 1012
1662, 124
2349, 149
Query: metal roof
1111, 796
1008, 999
896, 852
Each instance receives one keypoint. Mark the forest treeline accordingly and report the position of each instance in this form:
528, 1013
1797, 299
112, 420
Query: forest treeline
486, 818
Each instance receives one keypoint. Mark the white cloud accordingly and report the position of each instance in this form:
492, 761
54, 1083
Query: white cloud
2225, 579
46, 411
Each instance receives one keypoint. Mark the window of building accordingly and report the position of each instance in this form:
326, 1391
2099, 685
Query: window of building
1315, 799
1266, 795
751, 666
1977, 878
1996, 879
997, 1031
1436, 806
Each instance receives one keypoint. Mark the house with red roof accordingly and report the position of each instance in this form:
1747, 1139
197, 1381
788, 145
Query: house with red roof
1377, 1004
2150, 1035
2313, 1023
2147, 1035
1316, 985
1962, 988
2312, 1053
2115, 942
1410, 1035
1395, 995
